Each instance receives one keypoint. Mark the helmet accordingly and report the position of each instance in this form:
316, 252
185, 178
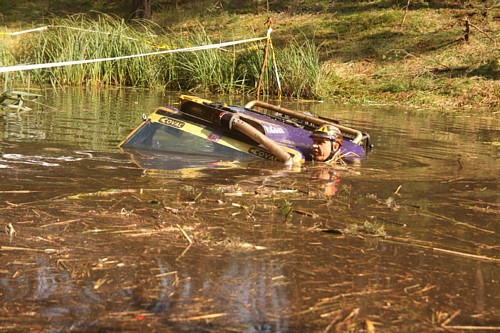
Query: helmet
328, 132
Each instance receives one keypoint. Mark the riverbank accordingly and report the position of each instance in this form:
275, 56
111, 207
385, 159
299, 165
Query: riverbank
368, 56
368, 53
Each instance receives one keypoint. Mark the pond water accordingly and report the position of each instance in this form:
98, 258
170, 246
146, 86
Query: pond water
97, 239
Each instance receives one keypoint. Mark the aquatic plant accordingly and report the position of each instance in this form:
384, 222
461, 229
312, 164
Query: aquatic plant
370, 228
374, 228
15, 100
286, 209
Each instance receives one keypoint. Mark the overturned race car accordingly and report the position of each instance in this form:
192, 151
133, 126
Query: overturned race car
200, 126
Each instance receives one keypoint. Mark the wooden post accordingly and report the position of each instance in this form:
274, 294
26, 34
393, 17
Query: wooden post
467, 29
264, 62
406, 13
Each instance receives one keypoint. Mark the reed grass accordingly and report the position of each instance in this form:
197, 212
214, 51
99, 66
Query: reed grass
300, 68
6, 59
230, 70
249, 65
101, 38
210, 70
6, 56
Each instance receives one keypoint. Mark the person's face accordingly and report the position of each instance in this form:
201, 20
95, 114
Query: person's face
321, 149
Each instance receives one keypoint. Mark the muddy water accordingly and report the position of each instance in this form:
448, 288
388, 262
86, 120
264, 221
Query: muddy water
102, 240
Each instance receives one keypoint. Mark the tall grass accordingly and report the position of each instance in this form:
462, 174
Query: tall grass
6, 59
212, 70
102, 38
6, 56
300, 69
229, 70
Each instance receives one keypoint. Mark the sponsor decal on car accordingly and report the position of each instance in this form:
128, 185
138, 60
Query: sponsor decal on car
214, 137
273, 129
172, 122
262, 153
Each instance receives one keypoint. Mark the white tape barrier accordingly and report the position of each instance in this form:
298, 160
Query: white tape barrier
16, 33
18, 68
26, 31
75, 28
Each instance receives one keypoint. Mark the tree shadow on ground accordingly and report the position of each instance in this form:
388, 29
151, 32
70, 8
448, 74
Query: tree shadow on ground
488, 71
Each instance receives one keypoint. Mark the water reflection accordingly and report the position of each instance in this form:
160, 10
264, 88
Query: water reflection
188, 165
330, 181
252, 293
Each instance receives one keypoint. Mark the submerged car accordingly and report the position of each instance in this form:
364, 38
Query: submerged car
200, 126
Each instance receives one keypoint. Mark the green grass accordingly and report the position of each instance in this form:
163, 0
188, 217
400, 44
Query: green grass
101, 38
209, 70
300, 70
234, 69
350, 51
6, 56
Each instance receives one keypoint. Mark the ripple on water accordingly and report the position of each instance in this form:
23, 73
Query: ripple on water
47, 161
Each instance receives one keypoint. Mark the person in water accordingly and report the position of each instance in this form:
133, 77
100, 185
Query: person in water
327, 142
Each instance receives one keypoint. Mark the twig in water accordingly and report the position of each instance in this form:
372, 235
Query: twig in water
390, 221
397, 191
61, 265
479, 328
59, 223
245, 208
428, 245
463, 254
185, 234
451, 317
445, 218
101, 193
303, 212
330, 325
184, 252
209, 316
166, 274
339, 321
14, 248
